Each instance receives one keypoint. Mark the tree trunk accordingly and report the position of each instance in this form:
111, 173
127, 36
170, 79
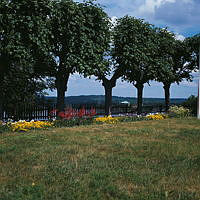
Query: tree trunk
1, 108
139, 87
108, 86
1, 97
167, 95
108, 100
61, 86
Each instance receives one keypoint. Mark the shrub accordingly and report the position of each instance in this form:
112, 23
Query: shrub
74, 117
179, 111
191, 103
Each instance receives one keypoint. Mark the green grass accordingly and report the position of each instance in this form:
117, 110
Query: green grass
133, 160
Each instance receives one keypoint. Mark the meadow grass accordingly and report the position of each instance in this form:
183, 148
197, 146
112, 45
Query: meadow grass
133, 160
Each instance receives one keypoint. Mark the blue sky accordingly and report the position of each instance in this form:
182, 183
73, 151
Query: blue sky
180, 16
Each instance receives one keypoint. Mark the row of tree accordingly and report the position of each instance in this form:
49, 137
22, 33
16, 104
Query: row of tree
43, 42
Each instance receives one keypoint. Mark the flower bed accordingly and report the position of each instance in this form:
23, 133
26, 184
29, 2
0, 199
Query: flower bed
25, 126
71, 117
107, 119
157, 116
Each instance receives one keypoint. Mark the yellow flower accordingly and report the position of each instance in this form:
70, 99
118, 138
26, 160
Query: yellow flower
156, 116
25, 126
109, 119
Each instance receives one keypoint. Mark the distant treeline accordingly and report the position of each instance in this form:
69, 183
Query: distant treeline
100, 99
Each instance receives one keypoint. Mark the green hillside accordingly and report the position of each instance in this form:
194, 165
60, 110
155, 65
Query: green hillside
99, 99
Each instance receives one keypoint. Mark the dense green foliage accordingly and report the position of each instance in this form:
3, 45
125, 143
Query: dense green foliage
135, 48
80, 36
23, 37
193, 43
50, 38
176, 62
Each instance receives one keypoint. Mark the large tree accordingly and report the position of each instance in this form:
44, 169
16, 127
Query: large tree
80, 37
110, 74
176, 62
135, 48
23, 36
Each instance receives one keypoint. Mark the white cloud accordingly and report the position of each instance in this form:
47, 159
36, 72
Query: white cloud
114, 20
150, 5
179, 37
74, 77
189, 84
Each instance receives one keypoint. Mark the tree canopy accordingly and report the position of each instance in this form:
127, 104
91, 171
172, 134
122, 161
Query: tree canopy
175, 62
23, 36
136, 48
79, 39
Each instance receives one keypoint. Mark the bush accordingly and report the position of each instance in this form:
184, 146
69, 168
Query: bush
70, 113
179, 111
191, 103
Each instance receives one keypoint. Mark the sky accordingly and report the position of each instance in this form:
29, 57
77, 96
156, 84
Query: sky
180, 16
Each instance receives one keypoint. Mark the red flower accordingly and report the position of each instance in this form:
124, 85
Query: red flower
82, 112
93, 112
70, 113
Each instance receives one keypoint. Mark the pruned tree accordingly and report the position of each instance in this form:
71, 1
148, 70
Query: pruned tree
136, 48
176, 62
79, 39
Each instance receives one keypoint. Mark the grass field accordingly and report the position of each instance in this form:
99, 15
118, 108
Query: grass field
136, 160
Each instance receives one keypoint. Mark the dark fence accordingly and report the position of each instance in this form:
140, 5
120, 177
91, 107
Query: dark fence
27, 112
44, 112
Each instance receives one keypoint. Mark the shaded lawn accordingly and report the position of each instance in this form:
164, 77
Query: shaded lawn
135, 160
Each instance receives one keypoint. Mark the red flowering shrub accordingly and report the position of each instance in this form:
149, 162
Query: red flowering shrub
81, 112
92, 112
70, 113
